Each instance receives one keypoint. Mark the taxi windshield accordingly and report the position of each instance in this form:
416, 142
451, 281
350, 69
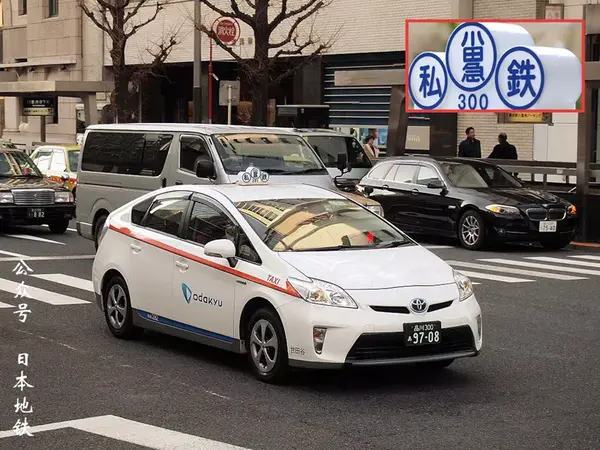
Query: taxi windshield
17, 165
296, 225
271, 153
73, 160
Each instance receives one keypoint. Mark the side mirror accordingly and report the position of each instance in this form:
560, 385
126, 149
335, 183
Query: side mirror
367, 190
436, 184
221, 248
342, 163
205, 169
64, 177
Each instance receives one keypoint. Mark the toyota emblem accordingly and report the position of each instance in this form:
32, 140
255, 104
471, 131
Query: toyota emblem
35, 196
418, 305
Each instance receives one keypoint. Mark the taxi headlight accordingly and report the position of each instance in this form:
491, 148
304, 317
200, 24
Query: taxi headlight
377, 209
322, 293
571, 210
465, 287
6, 197
63, 197
504, 210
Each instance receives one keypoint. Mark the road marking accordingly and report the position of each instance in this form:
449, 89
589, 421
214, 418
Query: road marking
138, 433
435, 247
67, 280
590, 257
68, 229
17, 255
528, 273
34, 238
565, 261
489, 276
41, 295
48, 258
5, 305
542, 266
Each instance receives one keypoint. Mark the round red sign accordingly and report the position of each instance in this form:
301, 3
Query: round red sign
227, 31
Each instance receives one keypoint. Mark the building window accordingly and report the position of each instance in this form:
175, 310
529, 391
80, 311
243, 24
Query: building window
22, 7
53, 8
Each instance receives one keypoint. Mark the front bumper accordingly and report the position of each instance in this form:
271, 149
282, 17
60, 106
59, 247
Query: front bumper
365, 337
19, 215
522, 229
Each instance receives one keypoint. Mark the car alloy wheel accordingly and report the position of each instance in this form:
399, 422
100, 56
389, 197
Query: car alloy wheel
116, 306
471, 230
264, 346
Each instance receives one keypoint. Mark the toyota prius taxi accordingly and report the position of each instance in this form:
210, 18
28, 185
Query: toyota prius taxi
291, 275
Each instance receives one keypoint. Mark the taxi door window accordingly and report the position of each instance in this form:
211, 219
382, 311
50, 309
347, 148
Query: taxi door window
42, 159
58, 161
166, 215
208, 223
192, 150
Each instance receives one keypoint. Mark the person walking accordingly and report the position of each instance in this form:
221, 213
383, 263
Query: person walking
370, 146
470, 147
504, 149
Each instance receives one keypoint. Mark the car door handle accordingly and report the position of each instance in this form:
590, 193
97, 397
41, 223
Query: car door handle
178, 182
385, 186
182, 266
415, 191
136, 248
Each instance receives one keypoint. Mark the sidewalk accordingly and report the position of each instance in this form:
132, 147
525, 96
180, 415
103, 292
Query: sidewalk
585, 246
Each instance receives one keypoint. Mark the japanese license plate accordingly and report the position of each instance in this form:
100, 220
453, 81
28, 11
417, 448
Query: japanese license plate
36, 213
547, 226
427, 333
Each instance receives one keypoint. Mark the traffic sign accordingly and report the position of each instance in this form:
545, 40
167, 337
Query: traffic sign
224, 92
227, 30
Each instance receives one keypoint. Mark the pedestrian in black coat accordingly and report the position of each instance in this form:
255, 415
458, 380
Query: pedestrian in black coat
504, 149
470, 147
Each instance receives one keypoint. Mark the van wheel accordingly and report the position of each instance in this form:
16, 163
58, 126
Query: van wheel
267, 346
98, 229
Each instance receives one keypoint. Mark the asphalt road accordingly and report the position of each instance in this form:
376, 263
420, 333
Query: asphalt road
535, 386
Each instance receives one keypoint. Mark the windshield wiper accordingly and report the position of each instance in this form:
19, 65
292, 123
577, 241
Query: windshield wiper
305, 171
392, 244
334, 248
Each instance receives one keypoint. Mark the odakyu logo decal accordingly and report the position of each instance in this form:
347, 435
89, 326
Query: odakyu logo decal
190, 296
187, 292
492, 66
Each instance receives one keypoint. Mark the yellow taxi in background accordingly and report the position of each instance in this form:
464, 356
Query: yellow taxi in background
58, 163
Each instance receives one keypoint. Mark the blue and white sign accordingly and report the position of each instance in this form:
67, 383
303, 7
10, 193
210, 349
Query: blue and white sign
495, 67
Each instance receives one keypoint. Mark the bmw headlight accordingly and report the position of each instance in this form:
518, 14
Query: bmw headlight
377, 209
6, 197
63, 197
504, 210
465, 287
571, 210
323, 293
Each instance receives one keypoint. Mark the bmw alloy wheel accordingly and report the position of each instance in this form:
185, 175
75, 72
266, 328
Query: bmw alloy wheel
470, 230
264, 346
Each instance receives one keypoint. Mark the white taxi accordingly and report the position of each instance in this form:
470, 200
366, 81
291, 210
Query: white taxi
292, 275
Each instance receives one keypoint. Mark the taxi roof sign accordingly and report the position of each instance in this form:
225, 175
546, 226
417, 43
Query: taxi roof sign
253, 175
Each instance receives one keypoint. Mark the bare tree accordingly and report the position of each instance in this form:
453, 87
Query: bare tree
120, 20
299, 38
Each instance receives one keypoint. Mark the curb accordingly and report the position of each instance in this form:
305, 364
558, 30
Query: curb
585, 246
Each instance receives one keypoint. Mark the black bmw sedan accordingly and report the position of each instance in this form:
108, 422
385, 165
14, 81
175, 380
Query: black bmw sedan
471, 199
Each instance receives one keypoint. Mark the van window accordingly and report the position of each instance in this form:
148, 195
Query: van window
328, 148
125, 153
277, 154
192, 150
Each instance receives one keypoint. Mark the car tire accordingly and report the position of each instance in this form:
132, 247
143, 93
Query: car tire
555, 244
98, 229
472, 230
435, 365
117, 309
269, 362
58, 226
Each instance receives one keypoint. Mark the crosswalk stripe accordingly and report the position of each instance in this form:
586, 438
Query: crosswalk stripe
5, 305
528, 273
511, 262
67, 280
489, 276
590, 257
34, 238
572, 262
16, 255
436, 247
41, 295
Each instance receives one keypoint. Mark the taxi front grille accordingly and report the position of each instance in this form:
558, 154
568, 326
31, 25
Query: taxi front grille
405, 310
371, 346
33, 197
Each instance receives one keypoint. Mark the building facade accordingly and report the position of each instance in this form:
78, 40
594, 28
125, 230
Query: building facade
52, 39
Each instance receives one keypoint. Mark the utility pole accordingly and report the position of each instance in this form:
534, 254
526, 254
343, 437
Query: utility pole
197, 62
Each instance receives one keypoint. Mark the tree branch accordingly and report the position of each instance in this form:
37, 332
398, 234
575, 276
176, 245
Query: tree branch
316, 6
244, 18
92, 16
135, 28
313, 5
137, 7
305, 61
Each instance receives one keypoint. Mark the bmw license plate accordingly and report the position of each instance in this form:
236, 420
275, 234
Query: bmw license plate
36, 213
547, 226
427, 333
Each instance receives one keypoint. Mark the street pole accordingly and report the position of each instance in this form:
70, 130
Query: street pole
197, 62
210, 82
228, 104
